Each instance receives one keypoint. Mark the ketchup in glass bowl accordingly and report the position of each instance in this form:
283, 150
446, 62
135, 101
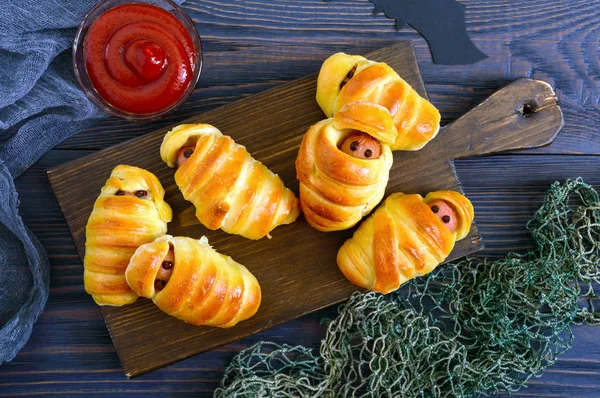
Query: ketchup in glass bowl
137, 60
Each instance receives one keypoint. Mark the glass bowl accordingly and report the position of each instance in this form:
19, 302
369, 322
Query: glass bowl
81, 72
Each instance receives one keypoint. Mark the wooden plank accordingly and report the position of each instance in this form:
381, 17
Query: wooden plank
250, 49
70, 350
271, 126
453, 90
549, 40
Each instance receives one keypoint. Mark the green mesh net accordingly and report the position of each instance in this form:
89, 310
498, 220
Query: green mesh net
475, 327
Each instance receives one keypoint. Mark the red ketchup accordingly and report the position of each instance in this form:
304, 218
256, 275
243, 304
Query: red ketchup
139, 58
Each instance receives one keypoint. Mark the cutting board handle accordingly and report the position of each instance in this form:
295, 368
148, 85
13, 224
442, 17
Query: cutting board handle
524, 114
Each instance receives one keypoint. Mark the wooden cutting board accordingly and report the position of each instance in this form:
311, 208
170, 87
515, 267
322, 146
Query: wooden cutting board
296, 268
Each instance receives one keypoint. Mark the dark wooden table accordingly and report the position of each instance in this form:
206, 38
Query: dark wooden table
251, 46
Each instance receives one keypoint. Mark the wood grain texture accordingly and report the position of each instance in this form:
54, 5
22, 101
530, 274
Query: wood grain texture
70, 352
251, 46
550, 40
287, 280
271, 126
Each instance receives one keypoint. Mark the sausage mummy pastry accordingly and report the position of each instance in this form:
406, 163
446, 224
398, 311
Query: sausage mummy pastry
343, 167
345, 79
188, 279
129, 212
406, 237
229, 189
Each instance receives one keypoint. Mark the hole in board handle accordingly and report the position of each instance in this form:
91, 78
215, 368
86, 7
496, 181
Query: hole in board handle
528, 110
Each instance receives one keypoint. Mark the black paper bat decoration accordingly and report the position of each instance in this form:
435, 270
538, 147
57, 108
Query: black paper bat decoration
442, 24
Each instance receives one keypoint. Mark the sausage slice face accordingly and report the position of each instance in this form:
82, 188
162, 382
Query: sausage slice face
184, 154
444, 211
361, 146
165, 271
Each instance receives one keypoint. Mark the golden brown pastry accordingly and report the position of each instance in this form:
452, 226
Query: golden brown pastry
188, 279
343, 167
344, 79
229, 189
129, 212
406, 237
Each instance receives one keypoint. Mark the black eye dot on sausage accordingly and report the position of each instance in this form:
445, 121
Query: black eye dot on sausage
167, 265
120, 193
446, 219
368, 153
141, 193
435, 209
354, 145
159, 284
349, 76
188, 152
